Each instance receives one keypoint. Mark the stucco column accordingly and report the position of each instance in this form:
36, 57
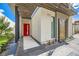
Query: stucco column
69, 26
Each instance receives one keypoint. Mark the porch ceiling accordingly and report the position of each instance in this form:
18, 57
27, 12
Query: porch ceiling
26, 9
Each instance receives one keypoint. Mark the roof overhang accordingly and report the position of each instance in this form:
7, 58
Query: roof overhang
26, 9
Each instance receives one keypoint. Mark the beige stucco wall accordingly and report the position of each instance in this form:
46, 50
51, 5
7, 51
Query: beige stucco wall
36, 25
62, 18
46, 19
65, 17
41, 24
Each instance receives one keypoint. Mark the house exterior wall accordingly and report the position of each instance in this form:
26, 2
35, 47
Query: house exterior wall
36, 25
46, 20
41, 25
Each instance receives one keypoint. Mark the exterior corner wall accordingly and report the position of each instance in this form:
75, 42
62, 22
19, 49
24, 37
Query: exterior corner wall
36, 25
41, 25
46, 19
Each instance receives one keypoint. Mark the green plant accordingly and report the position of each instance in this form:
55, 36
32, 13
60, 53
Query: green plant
6, 34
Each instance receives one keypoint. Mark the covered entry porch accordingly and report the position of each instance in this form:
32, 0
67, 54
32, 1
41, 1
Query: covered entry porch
54, 31
45, 24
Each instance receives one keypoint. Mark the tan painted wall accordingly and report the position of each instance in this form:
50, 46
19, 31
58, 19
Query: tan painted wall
65, 17
62, 18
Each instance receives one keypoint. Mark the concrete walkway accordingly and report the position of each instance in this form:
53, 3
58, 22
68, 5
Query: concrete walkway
28, 47
39, 49
28, 43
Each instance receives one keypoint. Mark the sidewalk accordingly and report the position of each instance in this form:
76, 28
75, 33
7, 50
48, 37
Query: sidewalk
72, 49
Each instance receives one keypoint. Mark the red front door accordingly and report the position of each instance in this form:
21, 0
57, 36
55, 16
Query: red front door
26, 29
